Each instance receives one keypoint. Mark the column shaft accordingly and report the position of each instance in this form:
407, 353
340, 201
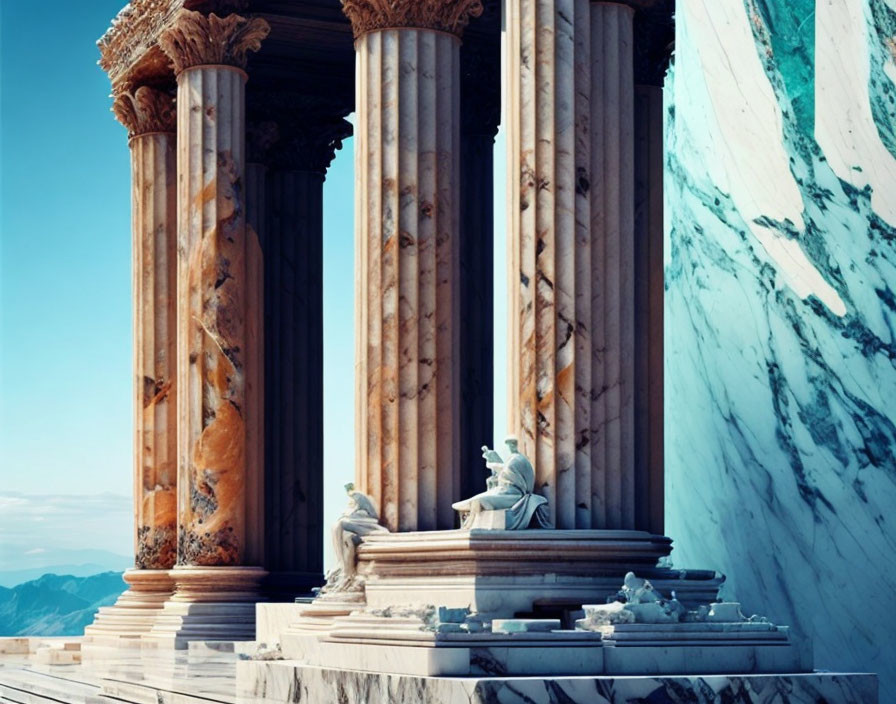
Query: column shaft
476, 306
154, 251
480, 62
149, 116
216, 341
649, 290
569, 89
407, 102
294, 388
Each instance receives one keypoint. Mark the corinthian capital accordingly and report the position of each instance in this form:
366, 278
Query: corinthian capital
450, 16
145, 110
195, 39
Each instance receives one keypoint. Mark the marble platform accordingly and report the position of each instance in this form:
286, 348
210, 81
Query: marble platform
219, 672
282, 681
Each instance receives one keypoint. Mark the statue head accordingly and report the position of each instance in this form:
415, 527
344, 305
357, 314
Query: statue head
349, 488
512, 444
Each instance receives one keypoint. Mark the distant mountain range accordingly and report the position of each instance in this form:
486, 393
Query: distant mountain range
56, 605
20, 564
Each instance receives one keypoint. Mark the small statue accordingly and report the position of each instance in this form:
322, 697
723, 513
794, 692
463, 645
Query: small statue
494, 463
636, 590
511, 488
358, 520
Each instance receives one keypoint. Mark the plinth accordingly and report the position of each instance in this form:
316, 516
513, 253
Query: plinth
135, 611
209, 603
500, 573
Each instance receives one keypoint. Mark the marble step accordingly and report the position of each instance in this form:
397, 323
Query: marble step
26, 686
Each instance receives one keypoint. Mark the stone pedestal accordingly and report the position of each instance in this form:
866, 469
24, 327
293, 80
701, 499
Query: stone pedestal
407, 219
502, 573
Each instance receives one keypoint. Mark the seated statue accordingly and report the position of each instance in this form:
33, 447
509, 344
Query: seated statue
511, 489
358, 520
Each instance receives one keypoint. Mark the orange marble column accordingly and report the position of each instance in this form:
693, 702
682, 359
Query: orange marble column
407, 244
154, 226
219, 353
149, 116
571, 271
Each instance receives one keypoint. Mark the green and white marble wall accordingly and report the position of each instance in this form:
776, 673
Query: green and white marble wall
781, 314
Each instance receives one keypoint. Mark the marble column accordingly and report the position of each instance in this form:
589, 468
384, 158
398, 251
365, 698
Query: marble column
149, 116
407, 245
219, 334
653, 37
571, 338
649, 290
480, 114
293, 250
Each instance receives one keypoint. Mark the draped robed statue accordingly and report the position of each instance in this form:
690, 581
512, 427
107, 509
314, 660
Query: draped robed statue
511, 489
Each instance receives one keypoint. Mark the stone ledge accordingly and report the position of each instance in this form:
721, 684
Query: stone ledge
285, 681
510, 552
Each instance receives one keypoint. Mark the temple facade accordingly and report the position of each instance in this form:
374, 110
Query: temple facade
233, 112
551, 562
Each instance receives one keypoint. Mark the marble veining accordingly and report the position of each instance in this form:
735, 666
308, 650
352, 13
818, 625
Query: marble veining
260, 682
570, 103
780, 309
407, 215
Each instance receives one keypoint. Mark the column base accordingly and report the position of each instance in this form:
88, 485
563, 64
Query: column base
209, 603
135, 611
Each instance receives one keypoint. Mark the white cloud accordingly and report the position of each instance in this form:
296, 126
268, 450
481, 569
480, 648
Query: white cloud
62, 524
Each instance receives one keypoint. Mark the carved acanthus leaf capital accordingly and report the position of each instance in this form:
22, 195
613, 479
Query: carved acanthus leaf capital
195, 39
450, 16
145, 110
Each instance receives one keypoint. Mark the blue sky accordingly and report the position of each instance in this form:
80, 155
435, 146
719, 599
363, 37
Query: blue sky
65, 297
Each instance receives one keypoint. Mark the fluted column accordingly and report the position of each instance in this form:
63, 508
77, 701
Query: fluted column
219, 351
653, 38
149, 116
294, 531
649, 290
571, 336
480, 114
407, 219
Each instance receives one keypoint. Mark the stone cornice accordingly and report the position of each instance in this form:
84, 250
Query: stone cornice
450, 16
131, 42
145, 110
194, 39
132, 32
